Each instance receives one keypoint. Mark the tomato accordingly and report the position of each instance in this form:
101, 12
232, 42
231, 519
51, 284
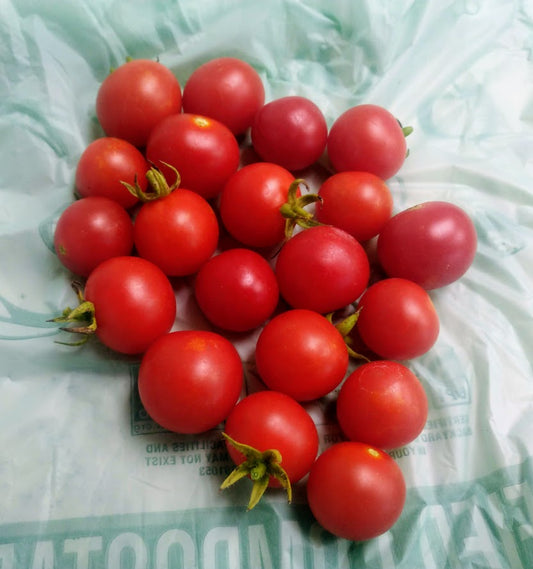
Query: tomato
203, 150
358, 202
190, 380
237, 290
271, 420
135, 97
433, 244
226, 89
91, 230
322, 268
382, 403
104, 164
367, 138
290, 131
134, 303
397, 319
178, 232
300, 353
356, 491
250, 204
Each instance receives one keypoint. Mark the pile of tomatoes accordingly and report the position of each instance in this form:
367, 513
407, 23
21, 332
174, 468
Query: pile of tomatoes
202, 184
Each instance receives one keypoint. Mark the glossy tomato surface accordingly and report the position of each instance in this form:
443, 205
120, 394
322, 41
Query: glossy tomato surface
203, 150
226, 89
433, 244
134, 303
237, 290
190, 380
356, 491
322, 268
91, 230
178, 233
300, 353
382, 403
135, 97
397, 319
271, 420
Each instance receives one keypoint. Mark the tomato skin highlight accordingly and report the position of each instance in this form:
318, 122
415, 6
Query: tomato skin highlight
237, 290
134, 303
104, 164
91, 230
382, 403
190, 380
272, 420
178, 232
397, 319
300, 353
226, 89
432, 244
356, 491
135, 97
322, 268
203, 150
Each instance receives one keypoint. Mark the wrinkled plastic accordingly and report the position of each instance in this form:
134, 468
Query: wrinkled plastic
86, 479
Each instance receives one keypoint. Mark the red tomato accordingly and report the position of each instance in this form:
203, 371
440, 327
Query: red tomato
178, 232
226, 89
134, 303
237, 290
300, 353
382, 403
107, 162
270, 420
190, 380
397, 320
367, 138
356, 491
358, 202
250, 204
290, 131
135, 97
204, 151
432, 244
322, 268
91, 230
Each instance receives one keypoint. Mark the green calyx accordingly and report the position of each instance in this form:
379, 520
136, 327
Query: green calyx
293, 210
83, 315
345, 327
158, 186
259, 466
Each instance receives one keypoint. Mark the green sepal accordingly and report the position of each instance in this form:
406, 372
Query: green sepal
293, 209
345, 326
157, 184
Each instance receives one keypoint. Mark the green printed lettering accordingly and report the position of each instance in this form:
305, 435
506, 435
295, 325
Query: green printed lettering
43, 555
221, 548
259, 552
175, 544
7, 556
130, 546
82, 547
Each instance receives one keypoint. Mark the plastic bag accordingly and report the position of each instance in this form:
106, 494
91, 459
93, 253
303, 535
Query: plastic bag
86, 478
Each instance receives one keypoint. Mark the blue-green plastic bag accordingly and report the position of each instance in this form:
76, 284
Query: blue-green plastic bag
87, 480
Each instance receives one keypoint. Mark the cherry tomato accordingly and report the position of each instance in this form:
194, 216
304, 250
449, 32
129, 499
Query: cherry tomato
190, 380
107, 162
134, 303
367, 138
358, 202
300, 353
178, 232
226, 89
432, 244
250, 204
135, 97
322, 268
203, 150
397, 319
237, 290
356, 491
290, 131
382, 403
91, 230
271, 420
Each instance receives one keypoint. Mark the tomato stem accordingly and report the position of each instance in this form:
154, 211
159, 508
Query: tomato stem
293, 210
157, 183
345, 327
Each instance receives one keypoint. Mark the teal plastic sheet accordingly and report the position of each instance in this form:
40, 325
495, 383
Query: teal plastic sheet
87, 480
